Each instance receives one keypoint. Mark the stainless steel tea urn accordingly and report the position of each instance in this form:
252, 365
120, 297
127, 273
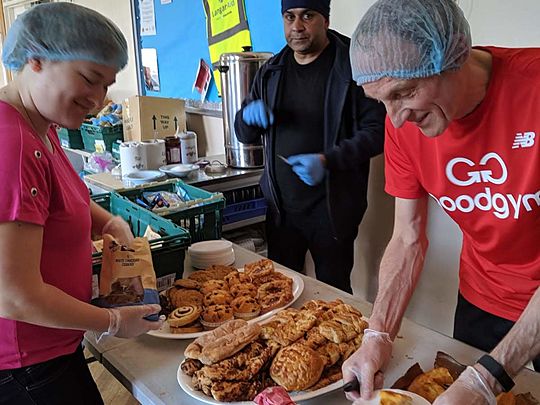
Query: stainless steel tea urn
237, 73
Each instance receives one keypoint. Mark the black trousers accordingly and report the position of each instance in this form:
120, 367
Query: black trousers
62, 380
298, 233
481, 329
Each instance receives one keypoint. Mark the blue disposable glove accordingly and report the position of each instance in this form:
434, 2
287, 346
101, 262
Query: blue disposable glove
308, 167
258, 114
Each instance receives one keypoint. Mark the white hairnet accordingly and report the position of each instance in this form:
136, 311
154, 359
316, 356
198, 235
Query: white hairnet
409, 39
64, 32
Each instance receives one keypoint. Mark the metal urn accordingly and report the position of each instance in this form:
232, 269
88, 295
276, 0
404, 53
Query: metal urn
237, 73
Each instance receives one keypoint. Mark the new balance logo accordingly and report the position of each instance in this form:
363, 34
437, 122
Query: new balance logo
524, 140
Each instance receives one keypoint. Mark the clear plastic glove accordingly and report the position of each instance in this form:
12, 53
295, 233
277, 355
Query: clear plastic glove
367, 364
119, 229
309, 168
258, 114
128, 322
469, 389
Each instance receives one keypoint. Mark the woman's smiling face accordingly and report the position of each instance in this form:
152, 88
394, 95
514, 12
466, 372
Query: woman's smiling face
65, 92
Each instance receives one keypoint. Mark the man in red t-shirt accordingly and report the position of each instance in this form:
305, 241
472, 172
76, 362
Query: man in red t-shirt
463, 127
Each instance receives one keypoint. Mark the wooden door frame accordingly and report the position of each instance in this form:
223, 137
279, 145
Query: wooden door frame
3, 31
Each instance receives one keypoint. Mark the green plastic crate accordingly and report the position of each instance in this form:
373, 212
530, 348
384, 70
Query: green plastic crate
168, 252
92, 134
116, 149
70, 138
203, 218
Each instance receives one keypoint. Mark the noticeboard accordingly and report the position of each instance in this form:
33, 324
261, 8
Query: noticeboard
180, 42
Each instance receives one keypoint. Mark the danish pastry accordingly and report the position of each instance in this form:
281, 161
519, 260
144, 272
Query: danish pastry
337, 332
191, 328
232, 391
330, 375
274, 276
506, 398
184, 315
273, 301
394, 398
260, 268
297, 367
237, 278
190, 366
273, 287
432, 383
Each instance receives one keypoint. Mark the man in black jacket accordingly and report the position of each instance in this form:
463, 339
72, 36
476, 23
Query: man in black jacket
320, 132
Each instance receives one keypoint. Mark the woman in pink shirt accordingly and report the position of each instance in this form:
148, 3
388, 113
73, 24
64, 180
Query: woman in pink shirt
66, 56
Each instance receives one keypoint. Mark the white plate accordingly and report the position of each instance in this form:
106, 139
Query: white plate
203, 261
187, 385
144, 176
210, 258
210, 247
416, 399
297, 287
178, 169
204, 264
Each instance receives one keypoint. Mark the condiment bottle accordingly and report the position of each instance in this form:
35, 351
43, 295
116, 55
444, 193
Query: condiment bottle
188, 147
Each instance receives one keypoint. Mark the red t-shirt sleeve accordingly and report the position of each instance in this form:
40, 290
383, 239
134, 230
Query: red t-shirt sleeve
401, 179
23, 173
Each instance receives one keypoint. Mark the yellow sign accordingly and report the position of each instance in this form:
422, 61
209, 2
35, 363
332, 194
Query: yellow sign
224, 15
227, 30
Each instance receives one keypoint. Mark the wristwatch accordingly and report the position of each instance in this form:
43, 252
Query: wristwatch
497, 371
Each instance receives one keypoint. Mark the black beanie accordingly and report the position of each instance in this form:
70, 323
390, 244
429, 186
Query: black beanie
321, 6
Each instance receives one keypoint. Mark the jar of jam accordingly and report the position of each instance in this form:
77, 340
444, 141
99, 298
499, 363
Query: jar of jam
172, 149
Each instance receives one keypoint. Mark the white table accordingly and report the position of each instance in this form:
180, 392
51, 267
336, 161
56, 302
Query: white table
147, 365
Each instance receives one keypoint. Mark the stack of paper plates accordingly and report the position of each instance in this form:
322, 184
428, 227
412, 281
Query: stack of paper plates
204, 254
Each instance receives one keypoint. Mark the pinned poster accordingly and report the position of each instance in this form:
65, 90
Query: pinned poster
150, 69
203, 79
148, 17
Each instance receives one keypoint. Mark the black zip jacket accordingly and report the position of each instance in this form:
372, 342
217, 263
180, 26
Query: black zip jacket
353, 133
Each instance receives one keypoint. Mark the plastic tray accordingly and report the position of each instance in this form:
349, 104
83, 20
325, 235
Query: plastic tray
70, 138
238, 195
92, 134
203, 216
168, 252
244, 210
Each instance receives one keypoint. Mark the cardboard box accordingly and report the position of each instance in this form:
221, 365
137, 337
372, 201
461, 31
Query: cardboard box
144, 116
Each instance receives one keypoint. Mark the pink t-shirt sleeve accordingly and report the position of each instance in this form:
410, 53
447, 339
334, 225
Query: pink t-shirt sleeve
401, 179
24, 174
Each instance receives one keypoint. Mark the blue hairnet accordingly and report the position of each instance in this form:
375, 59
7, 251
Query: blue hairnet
409, 39
64, 32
